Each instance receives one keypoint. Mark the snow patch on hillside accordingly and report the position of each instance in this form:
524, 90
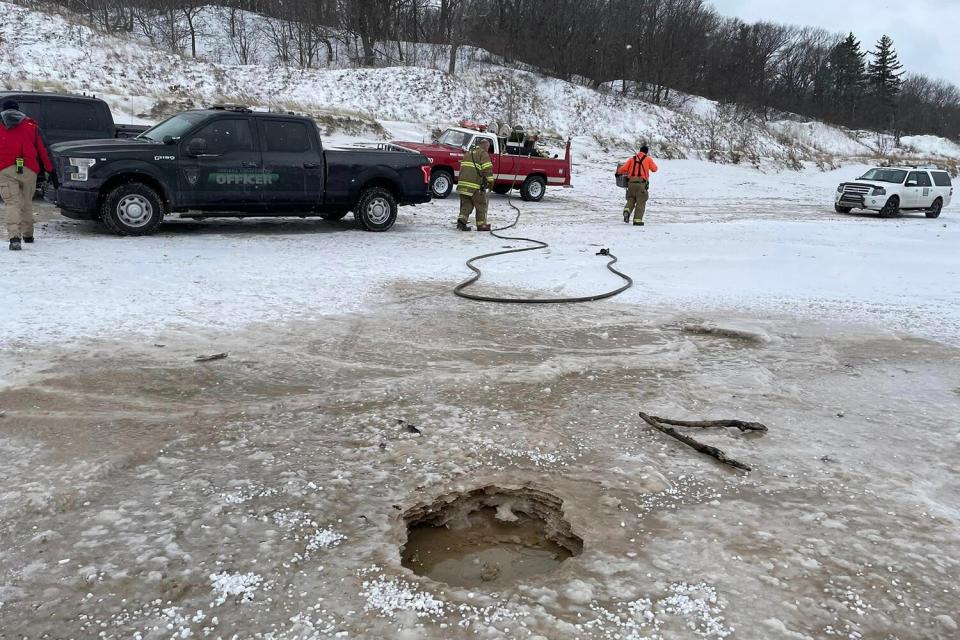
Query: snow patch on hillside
822, 137
144, 84
50, 51
930, 146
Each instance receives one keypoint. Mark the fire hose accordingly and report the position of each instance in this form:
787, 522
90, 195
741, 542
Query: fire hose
460, 289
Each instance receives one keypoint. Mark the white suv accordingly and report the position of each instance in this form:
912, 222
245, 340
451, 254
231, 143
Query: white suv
889, 190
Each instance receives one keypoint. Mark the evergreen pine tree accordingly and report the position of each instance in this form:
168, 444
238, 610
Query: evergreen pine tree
886, 80
847, 78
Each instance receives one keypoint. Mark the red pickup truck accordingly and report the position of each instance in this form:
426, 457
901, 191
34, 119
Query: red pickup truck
511, 168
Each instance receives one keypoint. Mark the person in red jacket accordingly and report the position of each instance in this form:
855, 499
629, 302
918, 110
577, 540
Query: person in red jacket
638, 169
22, 157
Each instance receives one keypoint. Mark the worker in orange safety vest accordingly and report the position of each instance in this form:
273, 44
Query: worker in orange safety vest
637, 169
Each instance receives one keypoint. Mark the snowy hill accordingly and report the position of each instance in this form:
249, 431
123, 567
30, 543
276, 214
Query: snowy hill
52, 52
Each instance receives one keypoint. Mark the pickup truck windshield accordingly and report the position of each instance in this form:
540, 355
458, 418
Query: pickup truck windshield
455, 138
174, 127
896, 176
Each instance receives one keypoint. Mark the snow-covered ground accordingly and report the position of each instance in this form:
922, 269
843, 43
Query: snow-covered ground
148, 496
719, 237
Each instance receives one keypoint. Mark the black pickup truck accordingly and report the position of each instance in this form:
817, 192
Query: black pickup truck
63, 118
233, 162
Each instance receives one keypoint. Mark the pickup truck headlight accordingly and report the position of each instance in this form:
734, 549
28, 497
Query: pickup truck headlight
879, 191
81, 168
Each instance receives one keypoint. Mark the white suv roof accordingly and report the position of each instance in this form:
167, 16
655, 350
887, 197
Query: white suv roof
911, 168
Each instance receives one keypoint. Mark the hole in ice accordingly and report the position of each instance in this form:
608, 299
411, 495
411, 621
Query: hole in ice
488, 537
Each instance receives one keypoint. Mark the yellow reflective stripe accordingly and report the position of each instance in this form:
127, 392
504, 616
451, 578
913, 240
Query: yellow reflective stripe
468, 164
469, 184
490, 179
485, 165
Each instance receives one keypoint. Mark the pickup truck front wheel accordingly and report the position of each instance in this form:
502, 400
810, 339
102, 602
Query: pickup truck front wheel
533, 188
376, 209
132, 209
441, 183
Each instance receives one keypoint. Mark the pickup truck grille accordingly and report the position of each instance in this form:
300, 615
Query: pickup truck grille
859, 189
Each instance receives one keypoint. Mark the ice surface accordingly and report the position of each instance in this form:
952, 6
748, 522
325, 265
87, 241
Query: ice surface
224, 489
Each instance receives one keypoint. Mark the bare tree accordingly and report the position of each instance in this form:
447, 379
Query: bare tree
192, 12
242, 33
278, 36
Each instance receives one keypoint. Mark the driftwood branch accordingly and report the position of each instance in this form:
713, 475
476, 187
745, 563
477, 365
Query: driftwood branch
211, 358
660, 424
712, 424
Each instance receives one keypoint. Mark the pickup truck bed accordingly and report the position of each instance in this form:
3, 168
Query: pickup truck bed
529, 172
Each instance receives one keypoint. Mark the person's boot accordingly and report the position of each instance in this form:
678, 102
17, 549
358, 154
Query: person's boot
15, 243
462, 226
638, 223
626, 216
28, 239
483, 227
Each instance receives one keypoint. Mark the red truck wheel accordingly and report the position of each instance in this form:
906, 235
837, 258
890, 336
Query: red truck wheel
533, 189
441, 183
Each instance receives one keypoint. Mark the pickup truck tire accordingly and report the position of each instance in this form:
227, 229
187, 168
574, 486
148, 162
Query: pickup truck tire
502, 189
891, 208
132, 209
334, 216
934, 211
441, 183
840, 209
533, 188
376, 209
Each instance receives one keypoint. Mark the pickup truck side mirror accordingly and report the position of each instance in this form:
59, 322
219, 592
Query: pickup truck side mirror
169, 139
197, 147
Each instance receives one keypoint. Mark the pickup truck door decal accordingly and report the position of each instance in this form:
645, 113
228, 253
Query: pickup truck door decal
227, 173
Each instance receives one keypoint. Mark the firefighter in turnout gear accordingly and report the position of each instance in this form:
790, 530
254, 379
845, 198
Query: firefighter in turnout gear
637, 169
476, 178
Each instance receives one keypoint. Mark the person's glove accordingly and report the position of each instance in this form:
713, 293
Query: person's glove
52, 177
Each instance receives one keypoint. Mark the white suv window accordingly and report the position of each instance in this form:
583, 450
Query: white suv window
895, 176
941, 178
918, 179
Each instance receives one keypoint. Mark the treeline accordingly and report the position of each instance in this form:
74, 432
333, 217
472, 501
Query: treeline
650, 49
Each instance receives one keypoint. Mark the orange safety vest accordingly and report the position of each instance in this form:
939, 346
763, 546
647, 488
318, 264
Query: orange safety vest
638, 166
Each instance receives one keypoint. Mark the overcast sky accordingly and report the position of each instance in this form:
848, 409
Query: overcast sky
925, 32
